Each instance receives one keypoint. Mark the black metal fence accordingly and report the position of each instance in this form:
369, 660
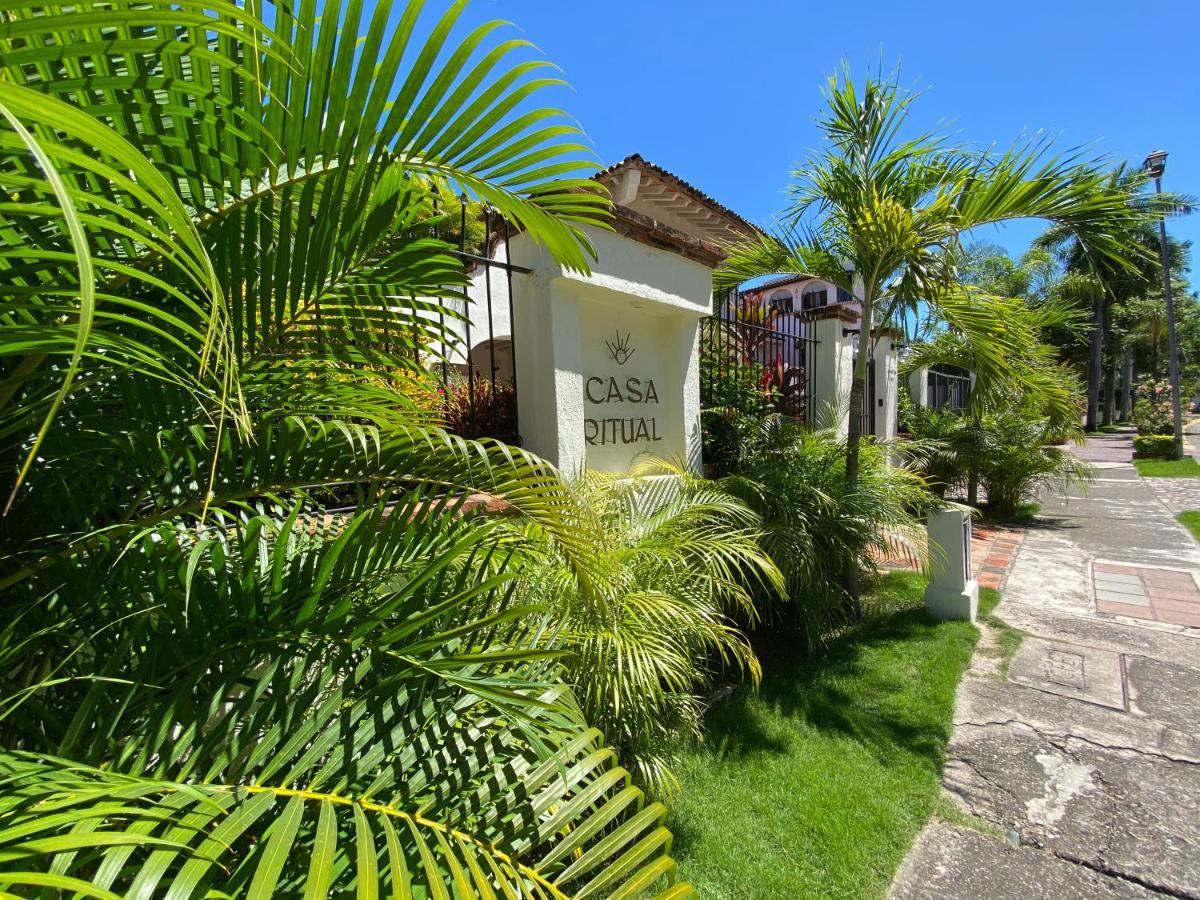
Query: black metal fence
949, 387
478, 369
757, 359
870, 402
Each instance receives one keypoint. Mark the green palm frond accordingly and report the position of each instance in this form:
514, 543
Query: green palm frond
226, 288
303, 703
71, 220
672, 564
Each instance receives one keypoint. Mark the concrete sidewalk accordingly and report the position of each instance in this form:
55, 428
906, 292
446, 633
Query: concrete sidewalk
1079, 772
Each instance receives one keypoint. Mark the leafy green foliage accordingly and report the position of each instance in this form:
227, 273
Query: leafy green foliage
1013, 453
815, 525
222, 279
1154, 446
1017, 460
735, 399
943, 446
678, 566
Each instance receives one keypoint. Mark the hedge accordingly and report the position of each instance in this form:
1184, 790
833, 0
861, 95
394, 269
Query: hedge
1154, 446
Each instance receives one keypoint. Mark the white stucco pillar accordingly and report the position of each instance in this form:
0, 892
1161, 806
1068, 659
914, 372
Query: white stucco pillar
951, 593
689, 352
834, 362
887, 386
608, 367
918, 387
549, 378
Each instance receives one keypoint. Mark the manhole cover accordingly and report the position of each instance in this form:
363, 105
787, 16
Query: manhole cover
1082, 673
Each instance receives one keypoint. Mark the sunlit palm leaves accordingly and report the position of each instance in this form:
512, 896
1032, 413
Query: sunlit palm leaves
814, 526
307, 704
896, 208
677, 568
223, 281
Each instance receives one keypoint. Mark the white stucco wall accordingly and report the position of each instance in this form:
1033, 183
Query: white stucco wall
834, 358
887, 387
918, 387
565, 324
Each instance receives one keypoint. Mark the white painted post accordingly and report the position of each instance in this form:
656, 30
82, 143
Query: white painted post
952, 593
918, 387
834, 362
887, 386
608, 362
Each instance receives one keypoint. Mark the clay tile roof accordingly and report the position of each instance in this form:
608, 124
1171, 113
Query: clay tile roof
777, 282
637, 160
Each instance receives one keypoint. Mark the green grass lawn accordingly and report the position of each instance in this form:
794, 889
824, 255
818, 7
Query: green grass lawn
1190, 519
817, 784
1168, 468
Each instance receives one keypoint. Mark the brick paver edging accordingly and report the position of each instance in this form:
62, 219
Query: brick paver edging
992, 552
1147, 592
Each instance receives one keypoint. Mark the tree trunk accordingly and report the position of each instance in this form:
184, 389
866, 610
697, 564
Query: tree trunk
1109, 413
1094, 363
1110, 391
1126, 385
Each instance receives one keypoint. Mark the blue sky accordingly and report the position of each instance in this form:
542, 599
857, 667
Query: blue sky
724, 94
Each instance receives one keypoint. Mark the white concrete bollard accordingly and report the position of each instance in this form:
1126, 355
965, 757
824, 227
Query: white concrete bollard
952, 593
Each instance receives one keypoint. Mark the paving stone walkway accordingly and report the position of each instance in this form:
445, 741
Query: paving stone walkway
992, 552
1077, 772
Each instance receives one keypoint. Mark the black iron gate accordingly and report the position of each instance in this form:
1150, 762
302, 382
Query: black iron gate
478, 365
949, 387
757, 359
870, 402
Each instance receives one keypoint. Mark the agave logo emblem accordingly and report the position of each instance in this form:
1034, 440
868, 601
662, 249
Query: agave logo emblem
621, 351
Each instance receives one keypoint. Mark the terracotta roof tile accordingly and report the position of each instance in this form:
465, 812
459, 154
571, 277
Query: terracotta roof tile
637, 160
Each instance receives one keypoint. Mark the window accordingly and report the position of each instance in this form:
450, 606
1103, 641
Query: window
814, 297
781, 301
844, 296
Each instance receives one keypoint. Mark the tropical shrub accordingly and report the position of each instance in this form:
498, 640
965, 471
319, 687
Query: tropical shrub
1013, 454
816, 527
675, 567
736, 395
482, 408
214, 233
1153, 412
1154, 446
1016, 461
941, 447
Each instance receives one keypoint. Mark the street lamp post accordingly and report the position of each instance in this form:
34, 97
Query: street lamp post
1155, 163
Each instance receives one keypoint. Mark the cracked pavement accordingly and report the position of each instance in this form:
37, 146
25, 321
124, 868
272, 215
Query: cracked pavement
1079, 774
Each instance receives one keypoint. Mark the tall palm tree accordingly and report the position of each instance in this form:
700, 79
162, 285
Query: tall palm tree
1107, 282
216, 235
894, 209
1032, 380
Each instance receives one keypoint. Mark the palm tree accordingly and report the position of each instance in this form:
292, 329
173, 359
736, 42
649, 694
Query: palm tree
217, 234
1032, 381
1106, 281
894, 209
677, 561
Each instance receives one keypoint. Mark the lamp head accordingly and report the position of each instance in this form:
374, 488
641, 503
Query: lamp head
1155, 163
